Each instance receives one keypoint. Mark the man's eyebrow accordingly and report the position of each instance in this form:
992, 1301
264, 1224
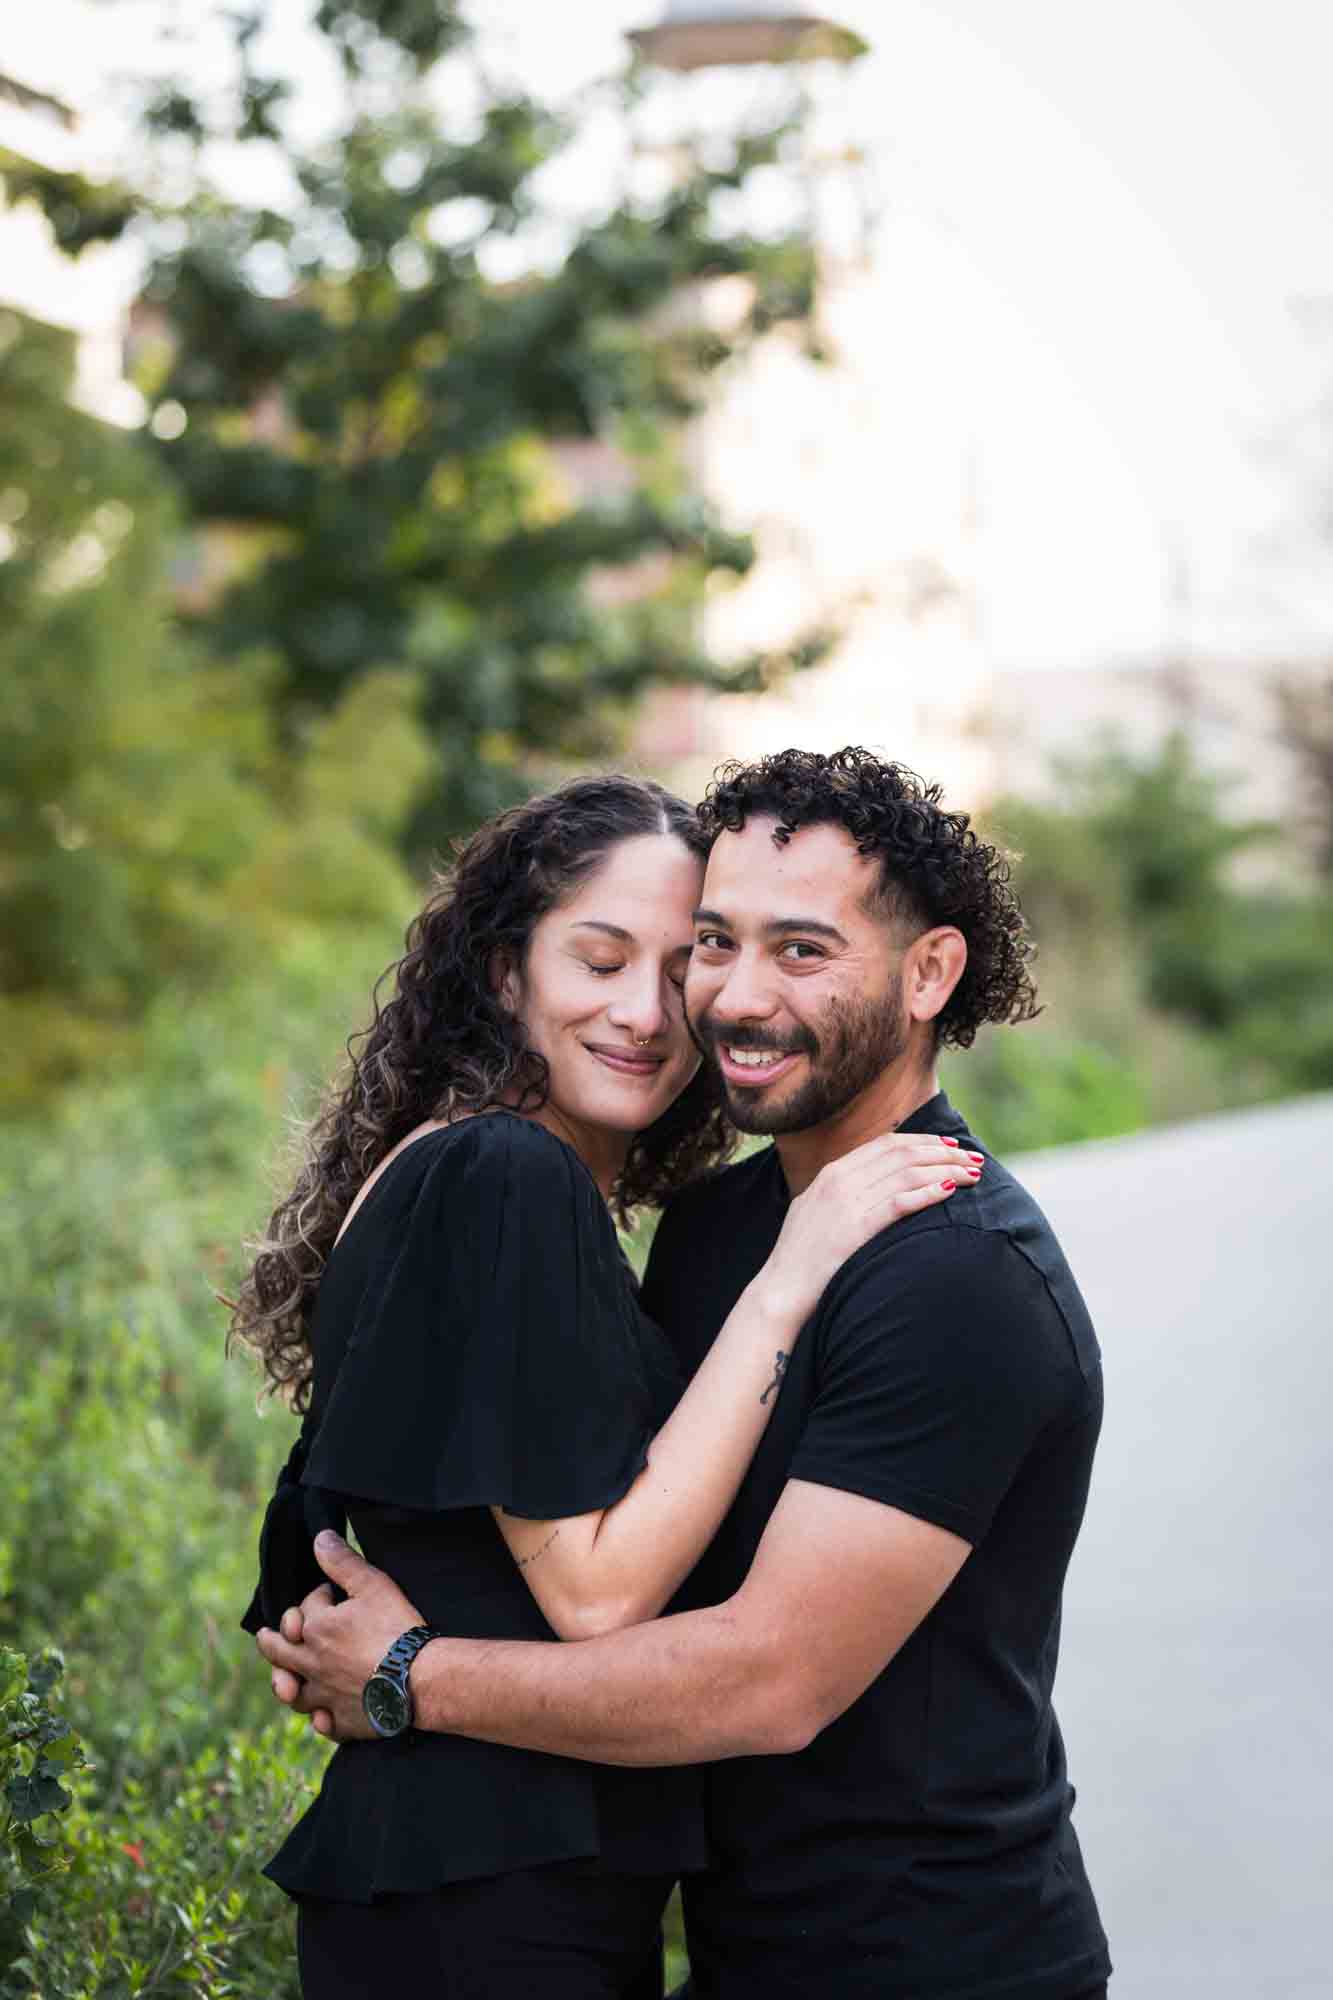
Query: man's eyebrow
808, 927
779, 926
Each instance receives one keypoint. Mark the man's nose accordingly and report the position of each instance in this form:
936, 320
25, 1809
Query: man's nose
745, 994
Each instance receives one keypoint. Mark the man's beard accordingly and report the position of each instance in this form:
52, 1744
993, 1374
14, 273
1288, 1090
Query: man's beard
855, 1044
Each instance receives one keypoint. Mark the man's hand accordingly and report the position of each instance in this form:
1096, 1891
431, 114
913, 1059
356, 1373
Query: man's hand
326, 1652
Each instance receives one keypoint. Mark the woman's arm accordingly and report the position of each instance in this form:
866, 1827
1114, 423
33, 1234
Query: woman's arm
596, 1573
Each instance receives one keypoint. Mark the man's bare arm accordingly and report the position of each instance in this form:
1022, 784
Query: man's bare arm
838, 1583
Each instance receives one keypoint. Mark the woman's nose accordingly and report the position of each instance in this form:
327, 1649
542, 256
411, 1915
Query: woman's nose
641, 1009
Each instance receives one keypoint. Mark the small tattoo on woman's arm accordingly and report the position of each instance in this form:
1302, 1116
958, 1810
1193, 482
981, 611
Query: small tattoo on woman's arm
523, 1561
779, 1370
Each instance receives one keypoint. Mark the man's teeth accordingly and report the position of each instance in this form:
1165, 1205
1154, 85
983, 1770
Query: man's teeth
757, 1058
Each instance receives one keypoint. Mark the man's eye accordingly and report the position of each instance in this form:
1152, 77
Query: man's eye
798, 948
604, 971
712, 940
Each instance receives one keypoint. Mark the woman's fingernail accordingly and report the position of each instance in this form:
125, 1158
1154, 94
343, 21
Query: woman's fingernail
945, 1140
947, 1187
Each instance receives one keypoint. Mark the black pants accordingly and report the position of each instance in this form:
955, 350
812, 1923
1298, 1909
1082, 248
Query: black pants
568, 1931
687, 1992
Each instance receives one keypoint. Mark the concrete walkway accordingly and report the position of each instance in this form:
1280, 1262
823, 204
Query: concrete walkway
1196, 1677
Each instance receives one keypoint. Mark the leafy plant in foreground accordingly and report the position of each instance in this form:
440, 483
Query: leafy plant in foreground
38, 1751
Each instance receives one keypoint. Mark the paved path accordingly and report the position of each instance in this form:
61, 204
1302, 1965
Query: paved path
1196, 1677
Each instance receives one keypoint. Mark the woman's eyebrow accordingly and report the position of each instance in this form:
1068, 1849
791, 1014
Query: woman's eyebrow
612, 930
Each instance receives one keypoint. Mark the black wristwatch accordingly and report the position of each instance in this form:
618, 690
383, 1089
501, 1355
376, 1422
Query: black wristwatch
386, 1696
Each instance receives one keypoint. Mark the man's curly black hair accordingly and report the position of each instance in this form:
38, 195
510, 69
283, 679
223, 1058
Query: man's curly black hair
934, 868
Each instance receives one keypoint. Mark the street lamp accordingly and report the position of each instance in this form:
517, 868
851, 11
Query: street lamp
695, 35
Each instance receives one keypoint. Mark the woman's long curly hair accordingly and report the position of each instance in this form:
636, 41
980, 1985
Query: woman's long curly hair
442, 1045
934, 867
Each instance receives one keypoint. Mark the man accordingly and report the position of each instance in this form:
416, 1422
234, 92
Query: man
868, 1661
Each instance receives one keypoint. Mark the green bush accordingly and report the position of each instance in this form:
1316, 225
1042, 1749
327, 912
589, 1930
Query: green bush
39, 1754
137, 1465
1021, 1091
1172, 988
161, 1895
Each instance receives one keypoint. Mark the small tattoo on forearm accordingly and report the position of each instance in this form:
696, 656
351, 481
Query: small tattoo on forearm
523, 1561
779, 1370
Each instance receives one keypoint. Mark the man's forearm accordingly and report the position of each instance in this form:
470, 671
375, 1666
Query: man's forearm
683, 1690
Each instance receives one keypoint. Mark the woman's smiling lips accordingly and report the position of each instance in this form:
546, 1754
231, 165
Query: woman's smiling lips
625, 1062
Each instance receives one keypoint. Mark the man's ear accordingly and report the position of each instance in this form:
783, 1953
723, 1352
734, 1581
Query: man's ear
935, 963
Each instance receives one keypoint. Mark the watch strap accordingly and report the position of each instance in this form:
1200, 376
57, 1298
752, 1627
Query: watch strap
398, 1660
394, 1668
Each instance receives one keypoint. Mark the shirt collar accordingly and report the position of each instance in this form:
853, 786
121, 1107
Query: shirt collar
935, 1115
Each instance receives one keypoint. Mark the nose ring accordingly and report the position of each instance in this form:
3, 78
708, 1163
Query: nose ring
642, 1041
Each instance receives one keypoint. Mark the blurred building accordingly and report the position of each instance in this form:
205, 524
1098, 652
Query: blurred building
856, 472
87, 296
1230, 710
863, 477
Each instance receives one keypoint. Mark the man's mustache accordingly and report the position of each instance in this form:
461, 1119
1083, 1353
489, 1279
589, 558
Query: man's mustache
707, 1033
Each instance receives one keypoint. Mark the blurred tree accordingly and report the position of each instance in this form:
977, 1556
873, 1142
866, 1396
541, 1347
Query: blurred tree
1299, 560
1304, 703
1203, 989
383, 426
1160, 821
152, 831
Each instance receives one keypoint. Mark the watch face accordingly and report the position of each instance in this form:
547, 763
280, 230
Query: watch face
386, 1704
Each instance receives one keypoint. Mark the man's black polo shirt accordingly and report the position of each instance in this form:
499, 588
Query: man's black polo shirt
921, 1846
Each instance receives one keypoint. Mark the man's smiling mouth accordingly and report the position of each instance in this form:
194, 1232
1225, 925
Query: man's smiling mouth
753, 1069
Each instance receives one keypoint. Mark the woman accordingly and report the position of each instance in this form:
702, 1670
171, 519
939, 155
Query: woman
444, 1290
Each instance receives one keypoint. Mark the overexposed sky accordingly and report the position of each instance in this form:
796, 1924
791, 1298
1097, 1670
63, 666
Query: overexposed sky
1122, 202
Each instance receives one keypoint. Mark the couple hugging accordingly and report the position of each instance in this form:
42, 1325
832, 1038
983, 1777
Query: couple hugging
801, 1505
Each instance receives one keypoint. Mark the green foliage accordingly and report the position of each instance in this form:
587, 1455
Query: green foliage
375, 421
80, 212
154, 832
1031, 1090
1172, 987
1161, 821
39, 1752
392, 612
136, 1468
1278, 990
160, 1895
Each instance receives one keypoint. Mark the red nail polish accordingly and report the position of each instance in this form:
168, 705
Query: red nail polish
945, 1140
947, 1187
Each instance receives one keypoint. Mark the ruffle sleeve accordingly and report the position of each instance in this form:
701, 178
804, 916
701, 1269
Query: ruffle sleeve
294, 1516
493, 1356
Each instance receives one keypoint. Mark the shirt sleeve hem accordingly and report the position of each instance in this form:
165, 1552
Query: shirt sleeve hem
930, 1507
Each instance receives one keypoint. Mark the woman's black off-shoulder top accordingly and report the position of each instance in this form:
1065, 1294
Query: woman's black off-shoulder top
477, 1343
